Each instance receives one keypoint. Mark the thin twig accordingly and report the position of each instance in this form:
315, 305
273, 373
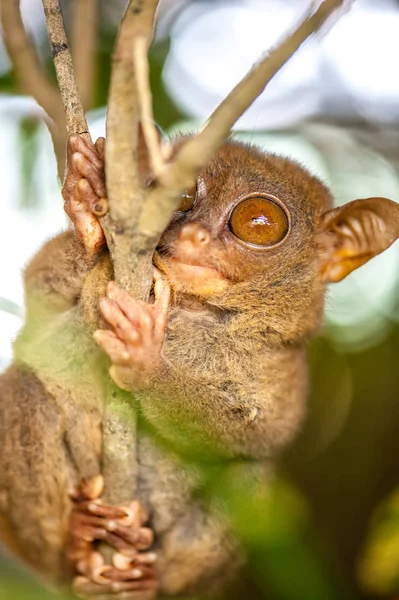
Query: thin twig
144, 96
183, 171
75, 118
31, 76
83, 44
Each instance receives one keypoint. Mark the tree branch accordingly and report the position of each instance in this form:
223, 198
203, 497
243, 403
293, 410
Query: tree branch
31, 77
144, 97
75, 118
182, 173
132, 270
83, 44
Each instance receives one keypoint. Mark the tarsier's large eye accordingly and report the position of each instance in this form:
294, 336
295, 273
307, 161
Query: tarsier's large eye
259, 221
188, 199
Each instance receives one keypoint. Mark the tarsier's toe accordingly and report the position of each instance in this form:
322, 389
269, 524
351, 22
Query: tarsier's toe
96, 579
85, 168
84, 588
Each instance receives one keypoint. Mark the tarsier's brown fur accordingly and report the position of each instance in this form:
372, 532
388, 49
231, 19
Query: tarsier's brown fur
234, 373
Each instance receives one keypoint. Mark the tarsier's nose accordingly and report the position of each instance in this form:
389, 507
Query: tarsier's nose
194, 233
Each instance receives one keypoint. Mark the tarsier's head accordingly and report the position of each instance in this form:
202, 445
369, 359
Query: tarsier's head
257, 235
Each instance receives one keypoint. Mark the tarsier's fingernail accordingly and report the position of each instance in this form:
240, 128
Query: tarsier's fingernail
115, 586
101, 207
147, 557
131, 553
136, 573
121, 562
111, 526
81, 566
111, 290
134, 335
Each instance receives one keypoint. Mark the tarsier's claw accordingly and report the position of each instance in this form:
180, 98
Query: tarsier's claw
135, 341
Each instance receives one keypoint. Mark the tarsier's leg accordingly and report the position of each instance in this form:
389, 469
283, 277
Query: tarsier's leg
132, 573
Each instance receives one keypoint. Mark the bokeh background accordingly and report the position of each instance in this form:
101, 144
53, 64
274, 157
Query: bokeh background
331, 525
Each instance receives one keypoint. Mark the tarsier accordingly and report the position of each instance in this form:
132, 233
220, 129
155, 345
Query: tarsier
216, 360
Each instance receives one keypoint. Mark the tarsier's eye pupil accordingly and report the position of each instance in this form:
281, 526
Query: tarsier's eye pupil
259, 221
188, 199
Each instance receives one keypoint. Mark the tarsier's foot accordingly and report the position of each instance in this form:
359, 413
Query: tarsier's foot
132, 574
84, 190
135, 341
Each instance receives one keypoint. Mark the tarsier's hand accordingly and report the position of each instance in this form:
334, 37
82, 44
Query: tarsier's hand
134, 343
84, 190
132, 574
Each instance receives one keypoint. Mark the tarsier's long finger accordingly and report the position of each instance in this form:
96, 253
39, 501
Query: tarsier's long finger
89, 533
115, 349
138, 313
88, 196
77, 144
130, 307
121, 546
141, 538
142, 572
85, 520
100, 147
134, 590
86, 169
124, 329
122, 560
92, 507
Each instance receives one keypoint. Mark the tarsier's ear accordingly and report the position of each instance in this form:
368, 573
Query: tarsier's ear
143, 161
352, 234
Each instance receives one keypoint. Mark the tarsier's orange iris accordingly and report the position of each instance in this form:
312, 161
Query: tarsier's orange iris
259, 221
188, 199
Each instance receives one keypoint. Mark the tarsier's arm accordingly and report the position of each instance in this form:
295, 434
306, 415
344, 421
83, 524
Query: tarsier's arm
55, 275
198, 392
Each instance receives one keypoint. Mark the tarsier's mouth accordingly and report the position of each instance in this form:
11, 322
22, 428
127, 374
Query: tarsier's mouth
191, 278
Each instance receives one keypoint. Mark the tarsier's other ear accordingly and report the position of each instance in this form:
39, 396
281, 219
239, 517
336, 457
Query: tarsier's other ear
352, 234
